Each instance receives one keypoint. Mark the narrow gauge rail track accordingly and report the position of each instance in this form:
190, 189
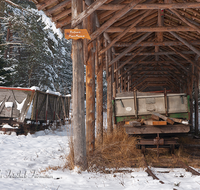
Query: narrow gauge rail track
185, 166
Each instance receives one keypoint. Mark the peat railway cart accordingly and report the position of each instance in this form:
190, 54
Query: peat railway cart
20, 104
143, 45
153, 113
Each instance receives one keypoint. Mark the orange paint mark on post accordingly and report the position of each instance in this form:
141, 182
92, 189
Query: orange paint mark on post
76, 34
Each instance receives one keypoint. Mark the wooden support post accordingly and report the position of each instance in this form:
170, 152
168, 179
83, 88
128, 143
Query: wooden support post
166, 102
109, 96
99, 94
90, 88
191, 82
196, 103
80, 159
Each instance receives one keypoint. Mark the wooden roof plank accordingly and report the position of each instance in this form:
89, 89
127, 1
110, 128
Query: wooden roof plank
153, 6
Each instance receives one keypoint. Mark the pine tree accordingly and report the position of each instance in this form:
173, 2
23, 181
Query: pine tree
42, 59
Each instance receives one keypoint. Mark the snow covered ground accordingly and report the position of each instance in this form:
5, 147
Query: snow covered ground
24, 160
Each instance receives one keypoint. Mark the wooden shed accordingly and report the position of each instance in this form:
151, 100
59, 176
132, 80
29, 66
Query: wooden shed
143, 45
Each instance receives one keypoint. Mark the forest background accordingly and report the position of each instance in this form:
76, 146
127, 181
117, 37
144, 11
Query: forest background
32, 51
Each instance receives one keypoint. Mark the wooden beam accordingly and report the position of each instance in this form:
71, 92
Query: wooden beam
57, 7
167, 63
186, 43
181, 54
45, 4
157, 53
80, 158
185, 21
93, 7
61, 15
152, 29
159, 35
129, 59
113, 19
129, 48
125, 32
165, 43
179, 64
153, 6
64, 22
154, 75
144, 57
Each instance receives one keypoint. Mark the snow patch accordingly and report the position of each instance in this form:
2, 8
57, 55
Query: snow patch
8, 104
54, 93
20, 106
35, 88
9, 127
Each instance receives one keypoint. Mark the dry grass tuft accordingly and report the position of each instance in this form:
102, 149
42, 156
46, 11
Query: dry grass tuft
118, 150
70, 157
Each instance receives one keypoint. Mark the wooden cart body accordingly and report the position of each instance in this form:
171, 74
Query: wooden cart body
15, 103
129, 106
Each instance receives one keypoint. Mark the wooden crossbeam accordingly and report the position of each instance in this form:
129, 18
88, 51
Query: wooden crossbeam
93, 7
61, 15
173, 75
113, 19
129, 59
164, 43
153, 6
157, 53
181, 54
125, 32
107, 13
57, 7
185, 21
64, 22
45, 4
153, 75
152, 29
144, 57
153, 62
186, 43
177, 63
138, 81
129, 48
